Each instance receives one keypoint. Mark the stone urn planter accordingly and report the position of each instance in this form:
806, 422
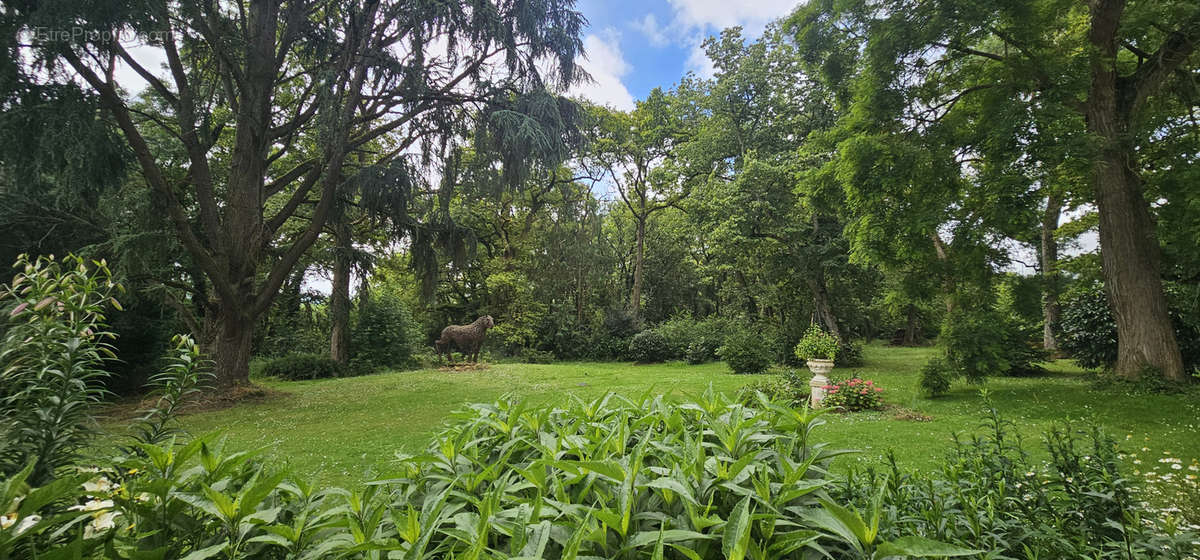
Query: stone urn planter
818, 348
820, 379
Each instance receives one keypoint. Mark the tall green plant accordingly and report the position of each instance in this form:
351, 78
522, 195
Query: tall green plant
185, 376
51, 361
384, 336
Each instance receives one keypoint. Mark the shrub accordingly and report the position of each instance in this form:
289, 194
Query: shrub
563, 336
531, 356
854, 395
780, 341
648, 346
789, 389
384, 335
983, 342
302, 366
990, 494
745, 352
700, 351
52, 362
678, 333
609, 338
936, 376
817, 345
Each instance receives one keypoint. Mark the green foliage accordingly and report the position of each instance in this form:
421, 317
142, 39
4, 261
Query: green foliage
537, 357
184, 376
817, 345
384, 335
299, 367
297, 320
789, 388
694, 340
34, 515
853, 395
936, 376
849, 354
605, 478
517, 313
701, 351
614, 478
610, 337
51, 361
649, 346
744, 351
983, 342
1089, 331
990, 495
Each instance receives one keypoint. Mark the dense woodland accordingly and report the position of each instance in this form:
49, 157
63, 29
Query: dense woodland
904, 171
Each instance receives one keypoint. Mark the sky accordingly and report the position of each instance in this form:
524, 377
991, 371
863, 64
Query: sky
634, 46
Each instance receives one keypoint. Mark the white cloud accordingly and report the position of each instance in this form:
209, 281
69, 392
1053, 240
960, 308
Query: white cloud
649, 27
606, 64
693, 20
699, 62
719, 14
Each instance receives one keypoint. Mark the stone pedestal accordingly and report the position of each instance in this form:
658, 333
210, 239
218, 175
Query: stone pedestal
819, 368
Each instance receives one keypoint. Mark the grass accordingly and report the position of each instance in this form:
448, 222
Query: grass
345, 431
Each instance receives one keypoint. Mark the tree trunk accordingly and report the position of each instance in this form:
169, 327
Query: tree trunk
635, 298
579, 293
1129, 253
339, 298
911, 327
1050, 279
821, 306
228, 339
1128, 246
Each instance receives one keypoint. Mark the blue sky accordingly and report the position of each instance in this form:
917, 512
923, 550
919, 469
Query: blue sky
634, 46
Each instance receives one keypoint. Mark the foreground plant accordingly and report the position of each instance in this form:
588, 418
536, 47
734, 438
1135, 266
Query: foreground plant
51, 361
990, 495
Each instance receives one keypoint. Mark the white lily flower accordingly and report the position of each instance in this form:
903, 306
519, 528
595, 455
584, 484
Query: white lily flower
27, 522
101, 523
93, 505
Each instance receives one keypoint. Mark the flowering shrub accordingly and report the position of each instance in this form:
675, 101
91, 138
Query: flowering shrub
854, 395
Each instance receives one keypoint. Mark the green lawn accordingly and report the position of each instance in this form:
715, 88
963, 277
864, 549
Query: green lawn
344, 430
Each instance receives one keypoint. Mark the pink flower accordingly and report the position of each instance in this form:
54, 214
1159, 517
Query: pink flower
877, 390
863, 392
869, 382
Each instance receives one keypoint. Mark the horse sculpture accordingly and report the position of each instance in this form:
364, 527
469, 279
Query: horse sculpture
467, 338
